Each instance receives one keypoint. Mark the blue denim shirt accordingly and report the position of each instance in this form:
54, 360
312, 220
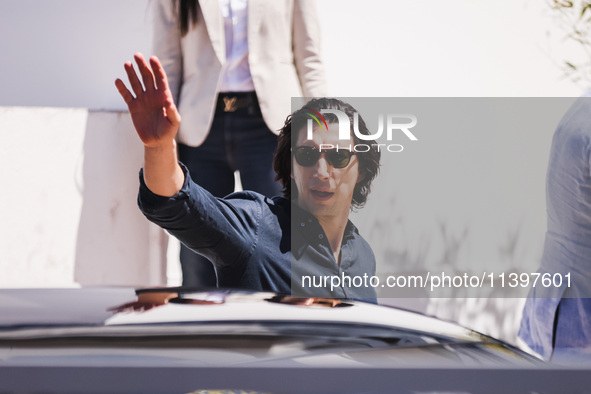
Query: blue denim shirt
249, 239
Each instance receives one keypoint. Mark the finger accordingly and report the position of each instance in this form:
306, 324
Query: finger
172, 113
145, 71
162, 84
134, 81
124, 92
159, 74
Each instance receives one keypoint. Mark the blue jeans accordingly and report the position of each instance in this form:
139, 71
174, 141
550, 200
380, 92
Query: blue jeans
240, 141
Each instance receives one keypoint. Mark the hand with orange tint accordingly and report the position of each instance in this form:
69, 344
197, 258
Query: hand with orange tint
156, 121
151, 106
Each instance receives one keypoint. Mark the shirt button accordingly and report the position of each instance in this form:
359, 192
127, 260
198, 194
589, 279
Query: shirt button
302, 224
321, 236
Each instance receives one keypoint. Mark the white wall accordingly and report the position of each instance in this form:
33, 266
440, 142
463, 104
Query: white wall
73, 172
41, 165
69, 214
67, 53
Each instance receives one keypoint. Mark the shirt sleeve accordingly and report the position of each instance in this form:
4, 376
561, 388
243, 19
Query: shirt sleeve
224, 230
306, 49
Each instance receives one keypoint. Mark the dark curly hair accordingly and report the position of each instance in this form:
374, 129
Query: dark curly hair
369, 162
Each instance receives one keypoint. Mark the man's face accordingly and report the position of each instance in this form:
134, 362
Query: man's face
323, 190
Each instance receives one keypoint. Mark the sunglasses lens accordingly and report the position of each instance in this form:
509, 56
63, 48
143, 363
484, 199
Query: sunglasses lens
339, 159
306, 156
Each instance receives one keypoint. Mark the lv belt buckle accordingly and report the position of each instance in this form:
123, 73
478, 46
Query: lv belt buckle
230, 104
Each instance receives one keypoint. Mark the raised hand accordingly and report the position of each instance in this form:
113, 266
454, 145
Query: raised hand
153, 112
156, 121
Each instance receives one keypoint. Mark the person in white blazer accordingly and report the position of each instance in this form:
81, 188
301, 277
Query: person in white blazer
233, 66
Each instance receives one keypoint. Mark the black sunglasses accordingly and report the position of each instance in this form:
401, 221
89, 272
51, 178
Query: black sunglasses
307, 156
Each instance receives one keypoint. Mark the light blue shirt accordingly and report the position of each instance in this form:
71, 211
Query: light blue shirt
557, 320
236, 75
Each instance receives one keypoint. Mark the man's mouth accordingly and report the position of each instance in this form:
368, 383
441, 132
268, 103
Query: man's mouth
321, 195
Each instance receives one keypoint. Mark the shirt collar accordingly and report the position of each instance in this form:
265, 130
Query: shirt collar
306, 230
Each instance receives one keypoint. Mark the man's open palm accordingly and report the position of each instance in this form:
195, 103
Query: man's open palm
153, 112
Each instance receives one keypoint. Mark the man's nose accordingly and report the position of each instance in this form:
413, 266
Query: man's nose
322, 168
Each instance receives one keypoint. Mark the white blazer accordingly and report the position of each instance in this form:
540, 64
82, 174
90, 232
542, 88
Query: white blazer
284, 59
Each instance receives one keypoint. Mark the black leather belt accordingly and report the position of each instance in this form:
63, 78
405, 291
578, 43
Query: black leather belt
234, 101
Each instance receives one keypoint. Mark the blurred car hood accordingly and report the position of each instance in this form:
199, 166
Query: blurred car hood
109, 340
111, 307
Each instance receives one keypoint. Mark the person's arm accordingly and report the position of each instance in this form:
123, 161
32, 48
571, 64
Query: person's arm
156, 121
225, 231
306, 49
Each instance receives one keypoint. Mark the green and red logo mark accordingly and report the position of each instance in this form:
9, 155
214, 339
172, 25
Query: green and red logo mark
316, 116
